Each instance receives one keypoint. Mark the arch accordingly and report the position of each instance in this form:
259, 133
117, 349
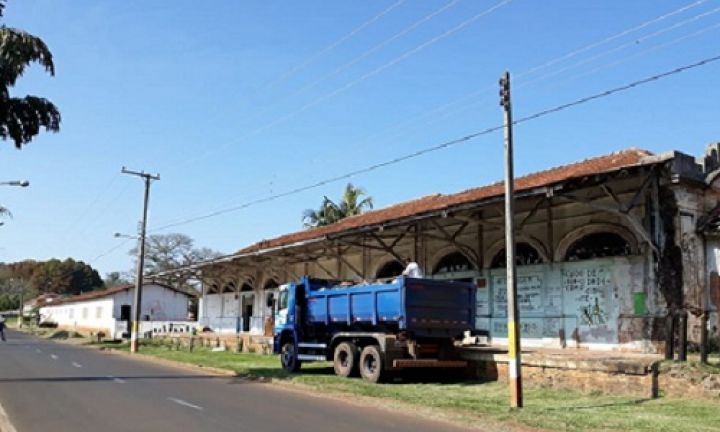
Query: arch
270, 284
246, 287
571, 238
389, 269
499, 247
525, 254
229, 287
452, 262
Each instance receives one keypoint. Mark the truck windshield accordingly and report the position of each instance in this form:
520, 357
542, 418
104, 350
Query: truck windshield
283, 300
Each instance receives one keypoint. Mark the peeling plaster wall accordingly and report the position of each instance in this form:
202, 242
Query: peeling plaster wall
690, 204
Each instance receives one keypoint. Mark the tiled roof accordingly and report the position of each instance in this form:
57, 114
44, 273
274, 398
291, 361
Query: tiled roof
602, 164
92, 295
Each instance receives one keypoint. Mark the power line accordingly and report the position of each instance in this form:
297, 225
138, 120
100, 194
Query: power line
353, 83
335, 44
109, 251
625, 45
446, 144
379, 46
612, 37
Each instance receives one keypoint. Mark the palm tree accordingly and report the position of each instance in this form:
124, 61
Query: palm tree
352, 204
22, 118
329, 212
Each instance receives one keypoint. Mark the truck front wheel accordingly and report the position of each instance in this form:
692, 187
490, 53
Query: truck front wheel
371, 364
345, 359
289, 358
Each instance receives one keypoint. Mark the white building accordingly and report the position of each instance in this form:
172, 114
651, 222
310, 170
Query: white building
109, 310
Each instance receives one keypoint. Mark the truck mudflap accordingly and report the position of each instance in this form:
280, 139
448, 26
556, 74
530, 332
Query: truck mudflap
428, 363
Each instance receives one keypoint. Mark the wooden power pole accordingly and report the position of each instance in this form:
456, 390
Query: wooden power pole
141, 258
514, 361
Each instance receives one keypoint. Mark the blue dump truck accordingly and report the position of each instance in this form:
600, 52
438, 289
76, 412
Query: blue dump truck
374, 329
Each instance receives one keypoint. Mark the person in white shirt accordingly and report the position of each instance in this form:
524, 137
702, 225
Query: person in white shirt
412, 269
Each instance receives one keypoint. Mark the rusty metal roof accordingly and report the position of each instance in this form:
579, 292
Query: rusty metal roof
597, 165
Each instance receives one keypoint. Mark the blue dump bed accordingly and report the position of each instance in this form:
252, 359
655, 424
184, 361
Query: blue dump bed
425, 307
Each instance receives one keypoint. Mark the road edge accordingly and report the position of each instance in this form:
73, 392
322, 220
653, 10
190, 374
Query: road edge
5, 424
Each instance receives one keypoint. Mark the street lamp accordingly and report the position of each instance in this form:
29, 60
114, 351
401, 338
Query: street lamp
120, 235
21, 183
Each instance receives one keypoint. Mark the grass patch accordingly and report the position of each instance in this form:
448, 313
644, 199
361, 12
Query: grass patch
544, 408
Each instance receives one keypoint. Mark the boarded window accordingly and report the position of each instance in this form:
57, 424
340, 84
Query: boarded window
598, 245
452, 263
390, 269
98, 312
525, 254
84, 313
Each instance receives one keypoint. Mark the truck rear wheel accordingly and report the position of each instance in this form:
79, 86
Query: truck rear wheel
345, 359
289, 358
371, 364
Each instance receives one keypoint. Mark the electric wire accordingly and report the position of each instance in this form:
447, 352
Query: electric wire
625, 45
611, 38
404, 56
335, 44
447, 108
447, 144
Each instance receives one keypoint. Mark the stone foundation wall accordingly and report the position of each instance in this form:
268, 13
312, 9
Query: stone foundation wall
236, 343
585, 381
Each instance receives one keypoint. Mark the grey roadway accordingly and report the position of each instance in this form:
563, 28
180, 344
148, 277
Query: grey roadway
52, 387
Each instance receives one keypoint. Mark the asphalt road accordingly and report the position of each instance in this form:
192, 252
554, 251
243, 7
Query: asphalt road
47, 386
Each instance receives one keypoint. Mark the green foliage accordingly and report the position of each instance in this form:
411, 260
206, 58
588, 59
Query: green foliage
22, 118
351, 204
32, 278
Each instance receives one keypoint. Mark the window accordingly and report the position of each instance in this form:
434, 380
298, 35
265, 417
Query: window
452, 263
598, 245
246, 288
283, 300
84, 313
229, 287
525, 254
98, 312
390, 269
71, 313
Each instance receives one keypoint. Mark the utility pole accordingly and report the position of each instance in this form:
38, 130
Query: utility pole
141, 257
514, 361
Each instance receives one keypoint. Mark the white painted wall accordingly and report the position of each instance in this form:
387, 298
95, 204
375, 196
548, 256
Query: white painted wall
158, 304
90, 314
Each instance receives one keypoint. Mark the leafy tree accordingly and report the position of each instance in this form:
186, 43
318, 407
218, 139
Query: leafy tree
21, 118
351, 204
114, 279
65, 277
170, 251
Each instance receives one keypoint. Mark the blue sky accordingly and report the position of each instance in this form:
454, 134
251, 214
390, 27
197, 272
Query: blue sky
232, 101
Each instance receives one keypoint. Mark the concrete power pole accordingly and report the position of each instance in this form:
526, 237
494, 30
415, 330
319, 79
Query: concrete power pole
141, 258
514, 361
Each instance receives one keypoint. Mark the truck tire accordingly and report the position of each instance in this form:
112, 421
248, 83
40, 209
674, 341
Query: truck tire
288, 357
345, 359
371, 364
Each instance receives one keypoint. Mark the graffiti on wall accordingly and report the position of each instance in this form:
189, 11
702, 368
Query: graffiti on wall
529, 294
587, 289
575, 301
